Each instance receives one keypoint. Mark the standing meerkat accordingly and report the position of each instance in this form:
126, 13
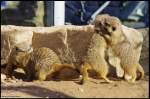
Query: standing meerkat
95, 59
122, 49
37, 64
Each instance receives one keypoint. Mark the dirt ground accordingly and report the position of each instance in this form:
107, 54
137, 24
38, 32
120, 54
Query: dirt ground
94, 88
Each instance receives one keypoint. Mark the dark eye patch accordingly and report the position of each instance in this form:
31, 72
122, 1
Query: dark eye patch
100, 23
18, 49
113, 28
96, 30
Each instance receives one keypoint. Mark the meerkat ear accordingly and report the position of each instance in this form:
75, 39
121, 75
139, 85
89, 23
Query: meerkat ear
102, 15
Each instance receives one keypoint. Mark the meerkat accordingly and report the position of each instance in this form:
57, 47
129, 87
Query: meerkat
126, 53
129, 57
37, 64
18, 58
96, 54
10, 37
110, 28
95, 59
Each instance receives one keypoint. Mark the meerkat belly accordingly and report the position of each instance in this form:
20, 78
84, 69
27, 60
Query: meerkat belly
93, 57
127, 54
95, 53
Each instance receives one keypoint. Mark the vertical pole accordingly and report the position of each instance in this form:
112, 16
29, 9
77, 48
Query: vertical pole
59, 12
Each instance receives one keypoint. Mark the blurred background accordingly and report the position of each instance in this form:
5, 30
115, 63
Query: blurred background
49, 13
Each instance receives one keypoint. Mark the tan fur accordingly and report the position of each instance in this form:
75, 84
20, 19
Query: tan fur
103, 37
110, 28
95, 58
125, 50
129, 59
38, 64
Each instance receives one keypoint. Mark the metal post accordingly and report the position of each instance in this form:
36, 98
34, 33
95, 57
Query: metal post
59, 12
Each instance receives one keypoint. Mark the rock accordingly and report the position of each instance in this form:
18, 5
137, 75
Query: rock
144, 59
3, 77
11, 81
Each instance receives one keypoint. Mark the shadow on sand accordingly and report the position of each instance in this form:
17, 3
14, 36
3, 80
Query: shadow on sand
36, 91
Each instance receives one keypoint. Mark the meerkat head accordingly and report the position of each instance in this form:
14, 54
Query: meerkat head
110, 27
18, 55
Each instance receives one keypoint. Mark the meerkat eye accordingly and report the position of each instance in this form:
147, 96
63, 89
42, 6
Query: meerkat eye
113, 28
17, 49
96, 31
100, 24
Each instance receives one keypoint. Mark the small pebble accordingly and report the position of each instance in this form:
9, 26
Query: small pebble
115, 85
13, 77
3, 77
80, 76
10, 80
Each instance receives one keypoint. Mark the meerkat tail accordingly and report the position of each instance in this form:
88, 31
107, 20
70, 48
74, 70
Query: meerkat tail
68, 66
61, 66
141, 70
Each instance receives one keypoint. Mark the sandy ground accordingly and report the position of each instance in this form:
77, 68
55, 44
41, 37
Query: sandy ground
94, 88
